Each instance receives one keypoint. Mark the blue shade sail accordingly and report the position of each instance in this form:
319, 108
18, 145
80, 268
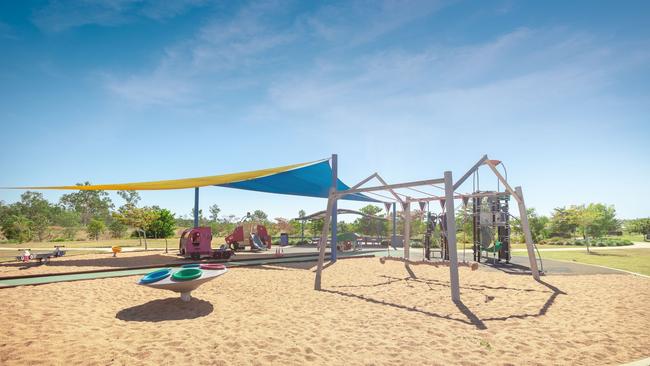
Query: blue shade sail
311, 181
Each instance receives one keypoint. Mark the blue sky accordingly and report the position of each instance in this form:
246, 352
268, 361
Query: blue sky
132, 90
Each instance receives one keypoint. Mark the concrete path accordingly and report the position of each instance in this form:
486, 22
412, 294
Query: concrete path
6, 282
636, 245
519, 264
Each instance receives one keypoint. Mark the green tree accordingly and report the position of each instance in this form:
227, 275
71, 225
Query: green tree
138, 218
163, 224
316, 227
260, 216
604, 219
344, 227
40, 226
117, 229
564, 222
33, 204
594, 220
282, 225
299, 225
89, 204
368, 225
66, 218
539, 225
17, 227
131, 198
214, 212
464, 222
95, 228
202, 219
32, 209
640, 226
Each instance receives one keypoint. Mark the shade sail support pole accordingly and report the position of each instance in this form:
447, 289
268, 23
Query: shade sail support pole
335, 179
323, 243
196, 206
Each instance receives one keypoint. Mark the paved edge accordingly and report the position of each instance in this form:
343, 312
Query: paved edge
161, 265
56, 278
612, 268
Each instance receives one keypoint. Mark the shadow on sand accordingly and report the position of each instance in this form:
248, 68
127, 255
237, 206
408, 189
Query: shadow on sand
471, 318
166, 309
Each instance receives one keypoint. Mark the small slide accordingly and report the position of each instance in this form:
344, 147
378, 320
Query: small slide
257, 243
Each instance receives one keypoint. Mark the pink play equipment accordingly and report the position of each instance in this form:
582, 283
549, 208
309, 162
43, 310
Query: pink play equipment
196, 243
255, 236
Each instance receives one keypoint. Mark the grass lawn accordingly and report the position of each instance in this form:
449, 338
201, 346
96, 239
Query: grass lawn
633, 260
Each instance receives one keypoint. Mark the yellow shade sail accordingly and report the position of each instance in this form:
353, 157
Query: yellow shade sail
179, 183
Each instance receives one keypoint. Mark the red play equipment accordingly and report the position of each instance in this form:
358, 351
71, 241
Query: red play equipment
197, 242
257, 238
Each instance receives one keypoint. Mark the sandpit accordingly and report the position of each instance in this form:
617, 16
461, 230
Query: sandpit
368, 313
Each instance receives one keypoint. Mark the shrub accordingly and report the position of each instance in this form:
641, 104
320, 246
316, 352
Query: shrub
57, 240
163, 226
95, 229
416, 243
117, 229
17, 228
70, 233
601, 242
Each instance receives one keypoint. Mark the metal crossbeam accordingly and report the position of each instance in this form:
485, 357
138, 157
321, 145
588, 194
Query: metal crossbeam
470, 171
388, 187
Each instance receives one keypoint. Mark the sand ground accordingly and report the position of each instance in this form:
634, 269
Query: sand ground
368, 313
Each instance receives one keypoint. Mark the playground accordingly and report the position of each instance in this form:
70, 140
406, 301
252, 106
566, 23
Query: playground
250, 301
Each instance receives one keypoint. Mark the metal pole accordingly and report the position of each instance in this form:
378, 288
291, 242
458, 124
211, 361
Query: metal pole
451, 237
323, 243
523, 215
196, 207
335, 168
394, 238
407, 229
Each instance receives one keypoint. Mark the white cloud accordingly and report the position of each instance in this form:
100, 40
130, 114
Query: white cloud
360, 22
522, 72
218, 52
152, 89
525, 68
